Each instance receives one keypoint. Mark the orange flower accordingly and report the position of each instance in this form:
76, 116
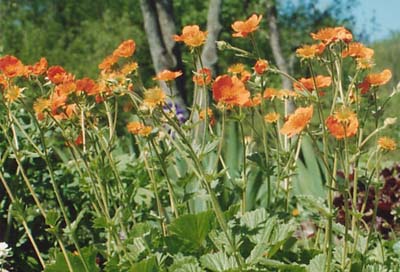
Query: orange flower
57, 74
297, 121
261, 66
3, 81
12, 93
66, 88
40, 105
192, 36
125, 49
333, 34
138, 128
308, 83
153, 97
230, 90
375, 80
11, 66
244, 28
271, 117
358, 51
79, 139
88, 86
236, 68
342, 126
167, 75
129, 68
270, 93
57, 101
255, 101
239, 69
70, 110
108, 62
38, 68
202, 77
210, 116
283, 94
344, 115
386, 143
379, 78
364, 63
310, 51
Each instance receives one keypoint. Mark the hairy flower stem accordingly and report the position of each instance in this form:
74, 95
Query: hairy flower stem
205, 105
160, 209
345, 193
45, 157
244, 173
101, 198
254, 43
111, 126
32, 192
171, 192
328, 230
23, 221
214, 201
22, 171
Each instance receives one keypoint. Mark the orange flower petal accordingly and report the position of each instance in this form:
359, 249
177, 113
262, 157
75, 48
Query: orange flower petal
192, 36
297, 121
167, 75
202, 77
230, 90
333, 34
341, 130
125, 49
308, 83
244, 28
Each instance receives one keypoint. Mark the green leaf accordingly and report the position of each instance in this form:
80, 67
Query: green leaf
221, 242
74, 225
279, 265
148, 265
100, 223
254, 219
185, 264
396, 248
218, 262
137, 247
310, 176
88, 255
270, 239
52, 218
314, 204
317, 264
193, 228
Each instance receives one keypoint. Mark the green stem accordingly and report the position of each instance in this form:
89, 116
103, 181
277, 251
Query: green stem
244, 173
24, 223
171, 192
32, 192
155, 189
345, 193
216, 207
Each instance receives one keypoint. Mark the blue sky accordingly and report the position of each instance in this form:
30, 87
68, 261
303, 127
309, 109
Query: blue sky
386, 14
377, 17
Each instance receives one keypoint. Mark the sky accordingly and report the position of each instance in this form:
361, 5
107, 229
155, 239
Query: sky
386, 14
377, 17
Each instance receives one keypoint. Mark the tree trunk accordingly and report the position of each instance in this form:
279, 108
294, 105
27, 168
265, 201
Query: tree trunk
209, 54
274, 41
160, 26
